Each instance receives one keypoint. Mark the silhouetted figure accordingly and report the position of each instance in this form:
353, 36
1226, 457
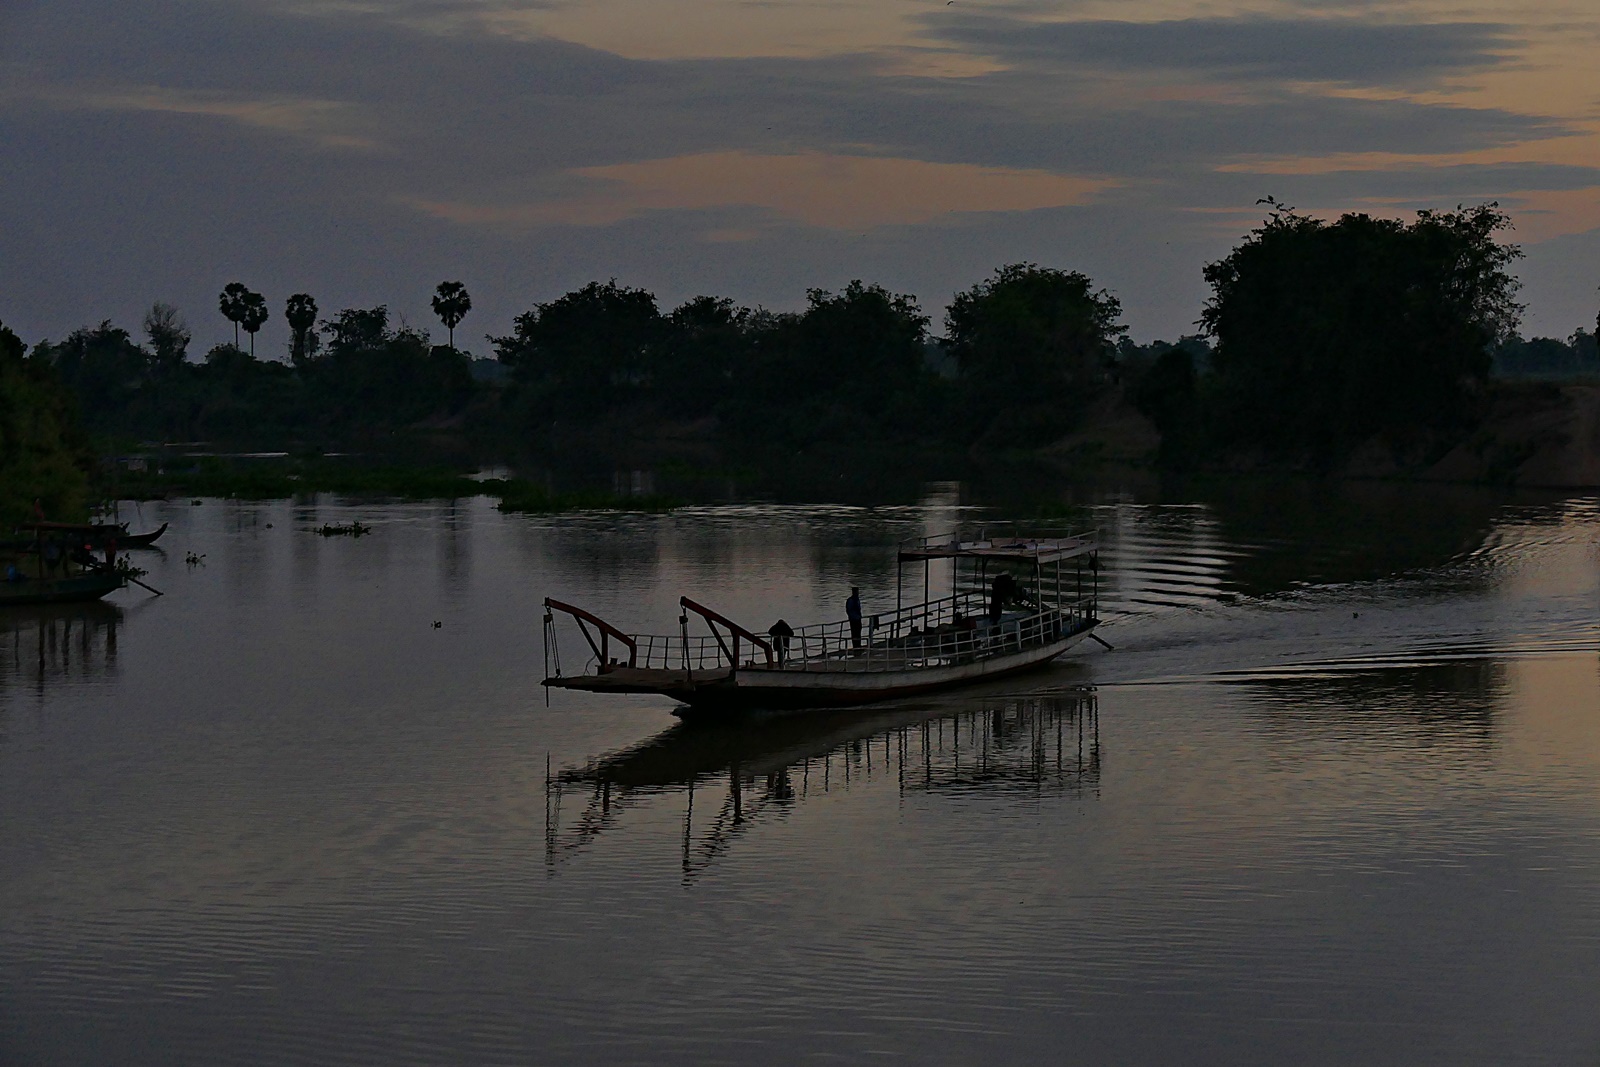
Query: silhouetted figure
52, 555
852, 611
1002, 590
780, 632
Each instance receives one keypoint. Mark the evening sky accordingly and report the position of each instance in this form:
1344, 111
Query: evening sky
363, 150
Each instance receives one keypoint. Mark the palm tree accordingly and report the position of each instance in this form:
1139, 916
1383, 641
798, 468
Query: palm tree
255, 316
232, 304
451, 303
301, 311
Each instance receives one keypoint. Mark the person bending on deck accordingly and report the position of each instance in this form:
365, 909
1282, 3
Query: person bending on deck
852, 610
780, 632
1003, 589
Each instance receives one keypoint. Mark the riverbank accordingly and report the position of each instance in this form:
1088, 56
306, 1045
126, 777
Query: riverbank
1533, 435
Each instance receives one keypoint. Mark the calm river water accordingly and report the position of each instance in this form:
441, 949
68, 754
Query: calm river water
1334, 798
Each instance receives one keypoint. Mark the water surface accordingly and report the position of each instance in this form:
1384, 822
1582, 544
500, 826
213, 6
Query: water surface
1335, 797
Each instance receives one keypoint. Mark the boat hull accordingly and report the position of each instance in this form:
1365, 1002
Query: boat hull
58, 590
751, 688
144, 540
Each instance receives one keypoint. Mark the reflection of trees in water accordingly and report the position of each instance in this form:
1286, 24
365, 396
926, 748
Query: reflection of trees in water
734, 775
1321, 533
1441, 711
48, 645
1259, 536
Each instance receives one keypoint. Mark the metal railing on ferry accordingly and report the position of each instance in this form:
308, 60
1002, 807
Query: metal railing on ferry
1003, 533
952, 630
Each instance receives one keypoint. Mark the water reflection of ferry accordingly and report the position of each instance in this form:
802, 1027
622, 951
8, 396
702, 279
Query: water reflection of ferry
40, 645
765, 766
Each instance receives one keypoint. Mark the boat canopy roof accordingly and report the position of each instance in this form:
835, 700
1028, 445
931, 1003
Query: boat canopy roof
1019, 547
68, 527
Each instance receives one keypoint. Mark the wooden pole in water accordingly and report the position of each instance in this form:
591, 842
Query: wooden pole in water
141, 585
688, 822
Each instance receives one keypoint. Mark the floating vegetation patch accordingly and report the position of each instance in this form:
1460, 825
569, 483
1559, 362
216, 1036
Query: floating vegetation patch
353, 529
267, 481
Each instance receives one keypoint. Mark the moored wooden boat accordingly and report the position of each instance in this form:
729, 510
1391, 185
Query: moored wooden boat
983, 631
57, 565
144, 540
90, 585
95, 533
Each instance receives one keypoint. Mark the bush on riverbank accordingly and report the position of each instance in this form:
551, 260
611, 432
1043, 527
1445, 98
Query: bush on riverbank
43, 453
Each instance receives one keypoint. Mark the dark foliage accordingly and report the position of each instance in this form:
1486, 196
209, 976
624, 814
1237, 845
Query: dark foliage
368, 379
1548, 358
1168, 394
253, 316
1329, 334
586, 351
451, 303
108, 373
232, 303
375, 376
301, 312
168, 335
1034, 346
43, 453
850, 366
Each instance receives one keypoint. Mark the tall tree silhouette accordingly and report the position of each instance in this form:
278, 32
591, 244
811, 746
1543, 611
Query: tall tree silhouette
168, 334
301, 311
1034, 345
253, 317
232, 304
1329, 334
451, 303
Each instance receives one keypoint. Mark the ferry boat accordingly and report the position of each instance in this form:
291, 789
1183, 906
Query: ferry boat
1017, 602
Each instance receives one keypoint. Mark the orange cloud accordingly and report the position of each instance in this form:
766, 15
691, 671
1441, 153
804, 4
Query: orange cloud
820, 189
326, 122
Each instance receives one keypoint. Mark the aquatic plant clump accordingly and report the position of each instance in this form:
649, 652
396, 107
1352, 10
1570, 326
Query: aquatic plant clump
352, 529
275, 480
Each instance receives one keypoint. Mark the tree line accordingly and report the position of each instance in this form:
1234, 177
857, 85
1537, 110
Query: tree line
1317, 336
356, 373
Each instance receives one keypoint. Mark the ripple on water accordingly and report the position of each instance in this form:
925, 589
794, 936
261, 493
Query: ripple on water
1345, 818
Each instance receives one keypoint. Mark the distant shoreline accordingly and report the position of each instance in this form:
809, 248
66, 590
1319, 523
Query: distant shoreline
1533, 435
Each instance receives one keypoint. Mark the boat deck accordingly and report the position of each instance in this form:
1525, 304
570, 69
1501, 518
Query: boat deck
640, 680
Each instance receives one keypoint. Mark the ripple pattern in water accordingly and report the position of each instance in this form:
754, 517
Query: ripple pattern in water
1335, 798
